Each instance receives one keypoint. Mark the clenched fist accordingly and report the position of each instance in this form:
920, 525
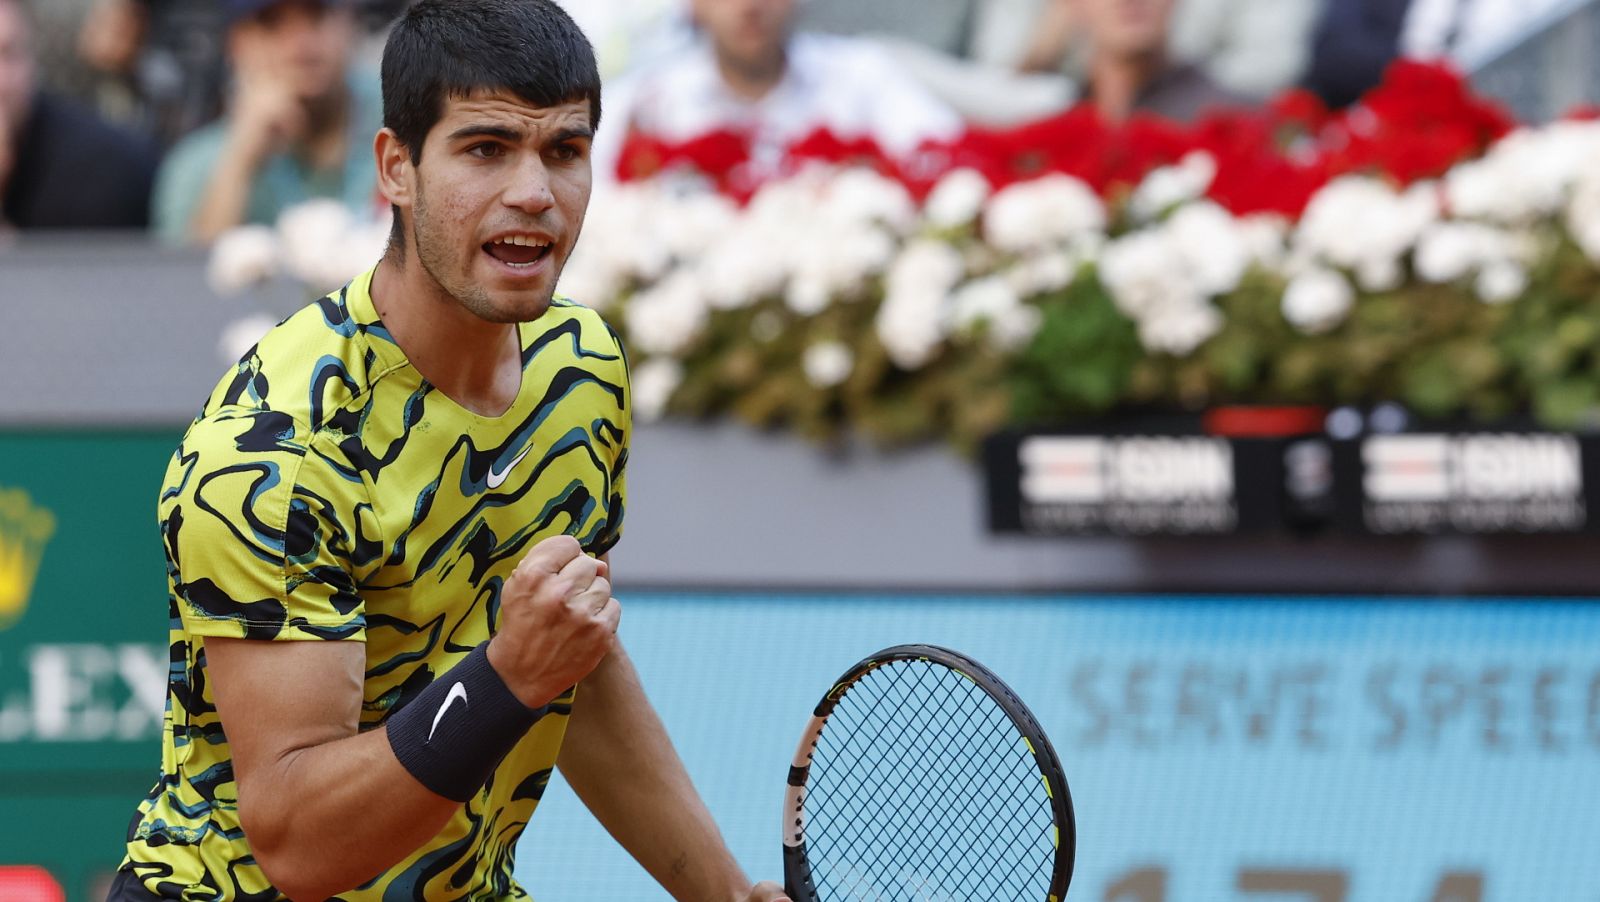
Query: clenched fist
557, 621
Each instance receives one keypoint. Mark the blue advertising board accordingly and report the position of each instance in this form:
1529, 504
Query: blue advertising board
1348, 750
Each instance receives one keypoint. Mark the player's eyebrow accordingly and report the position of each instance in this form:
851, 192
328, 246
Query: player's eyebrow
504, 133
573, 132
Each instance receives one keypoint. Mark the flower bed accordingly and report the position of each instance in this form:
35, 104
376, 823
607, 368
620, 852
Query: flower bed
1418, 248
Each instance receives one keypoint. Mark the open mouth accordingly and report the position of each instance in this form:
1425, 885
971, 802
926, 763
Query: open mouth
518, 251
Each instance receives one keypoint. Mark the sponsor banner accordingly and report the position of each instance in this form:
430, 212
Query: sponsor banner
1472, 483
1180, 482
83, 652
1153, 483
1218, 749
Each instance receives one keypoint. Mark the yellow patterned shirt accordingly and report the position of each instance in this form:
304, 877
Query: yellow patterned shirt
330, 493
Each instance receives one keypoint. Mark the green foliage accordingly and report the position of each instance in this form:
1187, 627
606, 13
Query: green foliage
1438, 349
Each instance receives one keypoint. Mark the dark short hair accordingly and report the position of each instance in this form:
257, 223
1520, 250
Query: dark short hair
452, 48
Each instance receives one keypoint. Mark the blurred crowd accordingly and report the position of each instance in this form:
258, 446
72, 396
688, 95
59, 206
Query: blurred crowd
191, 117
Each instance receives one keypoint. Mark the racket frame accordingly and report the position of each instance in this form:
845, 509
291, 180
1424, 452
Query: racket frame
797, 868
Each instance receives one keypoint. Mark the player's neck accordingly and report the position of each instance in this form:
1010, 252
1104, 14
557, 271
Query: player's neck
444, 342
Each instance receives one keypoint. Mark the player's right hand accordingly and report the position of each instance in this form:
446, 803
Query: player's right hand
557, 621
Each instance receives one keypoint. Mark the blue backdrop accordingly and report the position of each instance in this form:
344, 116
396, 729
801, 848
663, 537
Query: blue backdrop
1436, 751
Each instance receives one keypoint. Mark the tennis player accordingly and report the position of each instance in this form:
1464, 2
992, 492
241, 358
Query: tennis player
391, 614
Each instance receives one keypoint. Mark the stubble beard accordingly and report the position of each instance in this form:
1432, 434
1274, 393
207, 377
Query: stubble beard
434, 252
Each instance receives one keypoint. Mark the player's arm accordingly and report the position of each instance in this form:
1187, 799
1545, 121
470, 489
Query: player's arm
326, 808
655, 813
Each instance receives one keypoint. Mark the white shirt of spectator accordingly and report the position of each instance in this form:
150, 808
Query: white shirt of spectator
1470, 32
848, 85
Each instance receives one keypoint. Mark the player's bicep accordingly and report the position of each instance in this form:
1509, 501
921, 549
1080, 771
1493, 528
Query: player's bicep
277, 698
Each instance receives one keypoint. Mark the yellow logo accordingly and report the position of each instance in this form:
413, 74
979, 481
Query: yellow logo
24, 531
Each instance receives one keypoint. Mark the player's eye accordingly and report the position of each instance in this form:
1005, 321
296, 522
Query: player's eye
486, 150
567, 153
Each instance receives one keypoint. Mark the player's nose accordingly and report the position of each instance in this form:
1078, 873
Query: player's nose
529, 187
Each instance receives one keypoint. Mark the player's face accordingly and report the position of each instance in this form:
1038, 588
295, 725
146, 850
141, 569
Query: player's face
500, 197
304, 42
16, 67
1127, 27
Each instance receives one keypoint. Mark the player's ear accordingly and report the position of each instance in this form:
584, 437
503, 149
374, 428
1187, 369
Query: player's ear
397, 176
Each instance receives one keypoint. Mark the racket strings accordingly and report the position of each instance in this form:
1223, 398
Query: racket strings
921, 789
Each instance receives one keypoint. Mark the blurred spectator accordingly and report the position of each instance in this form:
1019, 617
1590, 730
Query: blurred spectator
962, 51
943, 25
158, 62
60, 167
1357, 39
752, 74
631, 34
1251, 47
297, 126
1129, 64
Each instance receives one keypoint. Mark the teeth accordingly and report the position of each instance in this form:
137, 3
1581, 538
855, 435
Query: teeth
522, 241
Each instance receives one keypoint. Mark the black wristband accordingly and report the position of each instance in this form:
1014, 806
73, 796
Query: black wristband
453, 735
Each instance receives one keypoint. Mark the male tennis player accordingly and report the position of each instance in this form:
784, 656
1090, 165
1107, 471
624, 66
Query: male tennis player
388, 621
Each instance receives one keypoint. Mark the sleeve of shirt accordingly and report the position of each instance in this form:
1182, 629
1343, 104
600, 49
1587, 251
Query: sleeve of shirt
264, 531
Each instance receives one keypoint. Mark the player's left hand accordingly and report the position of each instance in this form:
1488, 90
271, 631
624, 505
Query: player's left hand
767, 891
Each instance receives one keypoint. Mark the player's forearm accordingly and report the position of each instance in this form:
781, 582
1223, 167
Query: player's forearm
325, 819
656, 815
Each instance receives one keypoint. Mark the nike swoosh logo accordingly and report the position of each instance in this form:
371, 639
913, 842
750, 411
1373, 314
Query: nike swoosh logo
456, 691
497, 480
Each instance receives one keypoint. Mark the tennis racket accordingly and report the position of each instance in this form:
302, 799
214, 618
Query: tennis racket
922, 778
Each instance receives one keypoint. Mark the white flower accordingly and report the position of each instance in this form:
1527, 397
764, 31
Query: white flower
243, 258
746, 266
1042, 274
667, 318
827, 364
1015, 327
1502, 281
1265, 237
314, 235
1042, 214
1009, 323
690, 225
1317, 301
831, 262
1207, 240
1356, 222
863, 197
1583, 215
1143, 271
1179, 328
1526, 176
652, 384
911, 322
982, 300
365, 245
1380, 275
1453, 250
957, 199
1169, 186
239, 336
588, 280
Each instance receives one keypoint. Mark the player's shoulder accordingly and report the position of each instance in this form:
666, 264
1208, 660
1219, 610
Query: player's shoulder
592, 337
311, 366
